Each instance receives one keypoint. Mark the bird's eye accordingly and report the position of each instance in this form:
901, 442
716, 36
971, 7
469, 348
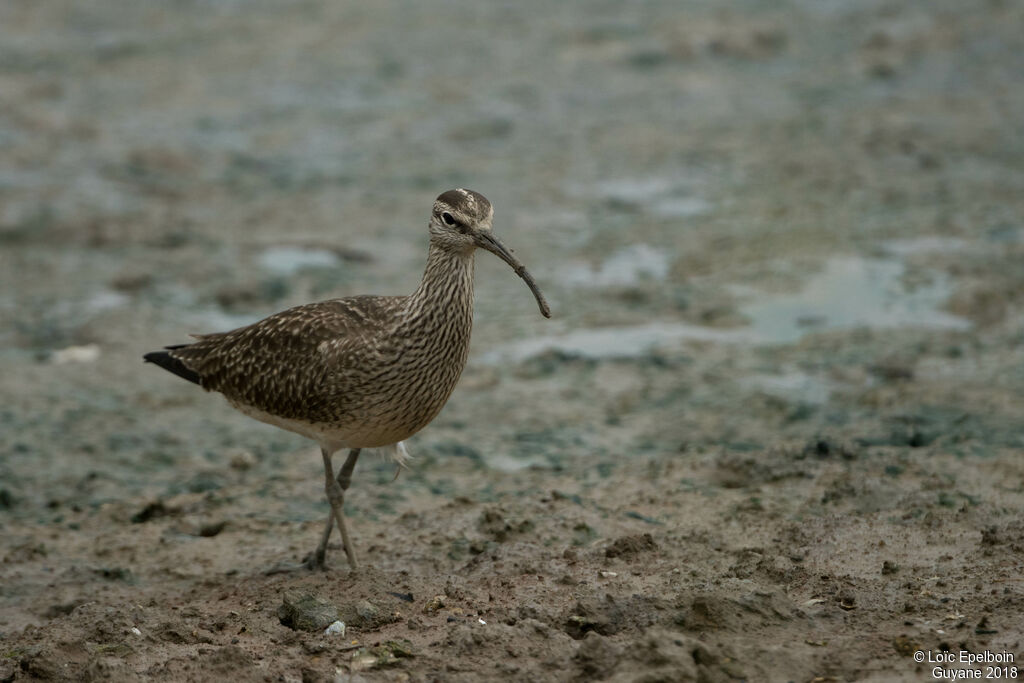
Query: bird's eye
447, 218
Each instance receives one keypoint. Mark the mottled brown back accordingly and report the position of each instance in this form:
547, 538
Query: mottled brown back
297, 364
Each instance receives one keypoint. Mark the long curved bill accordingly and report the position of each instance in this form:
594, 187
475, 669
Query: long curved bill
485, 240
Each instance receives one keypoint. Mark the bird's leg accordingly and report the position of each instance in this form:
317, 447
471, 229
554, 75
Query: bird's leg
336, 497
345, 475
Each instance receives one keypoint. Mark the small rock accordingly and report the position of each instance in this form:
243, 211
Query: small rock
241, 459
337, 628
306, 612
434, 604
365, 615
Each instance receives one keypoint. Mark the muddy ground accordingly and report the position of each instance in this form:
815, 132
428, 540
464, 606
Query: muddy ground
772, 433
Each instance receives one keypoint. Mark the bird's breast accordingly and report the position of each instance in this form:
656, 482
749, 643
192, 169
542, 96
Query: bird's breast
416, 374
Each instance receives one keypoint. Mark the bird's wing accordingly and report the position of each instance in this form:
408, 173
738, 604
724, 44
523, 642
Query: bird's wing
296, 364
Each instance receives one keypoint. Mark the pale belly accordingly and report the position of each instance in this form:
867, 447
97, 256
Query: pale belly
334, 437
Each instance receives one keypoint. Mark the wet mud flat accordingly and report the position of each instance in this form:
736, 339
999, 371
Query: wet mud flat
773, 431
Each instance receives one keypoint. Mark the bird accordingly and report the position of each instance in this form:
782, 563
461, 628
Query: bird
361, 371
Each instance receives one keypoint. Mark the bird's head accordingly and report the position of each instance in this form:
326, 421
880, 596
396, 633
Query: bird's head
461, 222
458, 216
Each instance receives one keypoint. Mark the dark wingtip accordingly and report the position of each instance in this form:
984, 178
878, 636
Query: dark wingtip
171, 364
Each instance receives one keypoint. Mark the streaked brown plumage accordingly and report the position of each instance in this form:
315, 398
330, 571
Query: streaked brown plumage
363, 371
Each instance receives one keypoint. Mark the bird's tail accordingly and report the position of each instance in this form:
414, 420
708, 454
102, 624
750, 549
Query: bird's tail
172, 364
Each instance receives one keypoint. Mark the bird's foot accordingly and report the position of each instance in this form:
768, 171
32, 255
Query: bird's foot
316, 560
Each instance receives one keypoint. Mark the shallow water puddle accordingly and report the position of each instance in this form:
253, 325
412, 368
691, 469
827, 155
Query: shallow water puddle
627, 266
852, 292
664, 196
284, 260
849, 292
614, 342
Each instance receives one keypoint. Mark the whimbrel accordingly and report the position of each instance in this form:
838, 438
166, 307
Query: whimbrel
363, 371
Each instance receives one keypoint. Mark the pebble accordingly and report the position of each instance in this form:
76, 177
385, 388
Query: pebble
241, 459
306, 612
434, 604
336, 629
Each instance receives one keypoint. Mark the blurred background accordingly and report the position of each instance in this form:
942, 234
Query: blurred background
753, 220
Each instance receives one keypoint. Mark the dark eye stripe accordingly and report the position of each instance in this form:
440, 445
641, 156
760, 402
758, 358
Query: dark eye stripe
450, 220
